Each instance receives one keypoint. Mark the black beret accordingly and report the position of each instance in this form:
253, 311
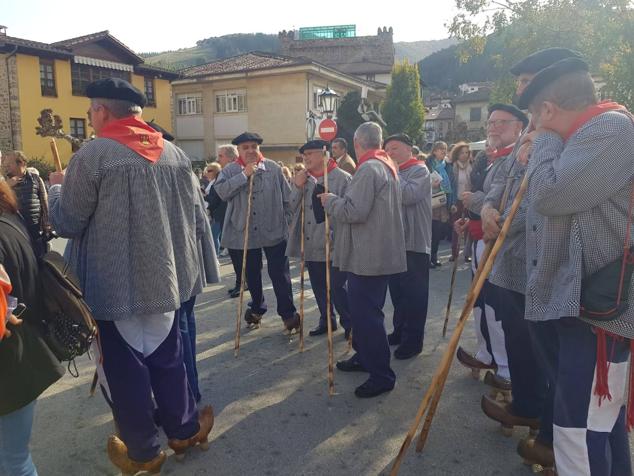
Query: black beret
166, 135
548, 75
539, 60
401, 137
247, 137
115, 88
511, 110
312, 145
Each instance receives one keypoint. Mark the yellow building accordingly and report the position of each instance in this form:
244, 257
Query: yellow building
260, 92
36, 76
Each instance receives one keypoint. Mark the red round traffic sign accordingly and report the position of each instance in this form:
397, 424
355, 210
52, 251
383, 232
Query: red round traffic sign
327, 129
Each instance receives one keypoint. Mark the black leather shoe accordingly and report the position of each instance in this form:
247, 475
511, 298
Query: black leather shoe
350, 365
393, 338
321, 329
404, 351
230, 291
369, 389
235, 293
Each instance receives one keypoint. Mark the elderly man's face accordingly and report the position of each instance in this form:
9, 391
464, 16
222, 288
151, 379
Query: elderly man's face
337, 150
503, 129
398, 151
314, 160
223, 158
249, 151
522, 81
10, 166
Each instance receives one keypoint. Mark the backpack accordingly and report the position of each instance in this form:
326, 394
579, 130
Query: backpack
67, 322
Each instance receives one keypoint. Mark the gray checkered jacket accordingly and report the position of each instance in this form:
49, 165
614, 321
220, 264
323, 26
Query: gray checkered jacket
416, 197
270, 211
509, 268
370, 240
314, 233
578, 195
134, 228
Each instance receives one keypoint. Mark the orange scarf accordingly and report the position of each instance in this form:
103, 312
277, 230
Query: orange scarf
381, 156
410, 163
332, 165
136, 135
5, 289
592, 112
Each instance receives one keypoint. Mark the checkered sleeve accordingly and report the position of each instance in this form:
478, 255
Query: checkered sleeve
587, 172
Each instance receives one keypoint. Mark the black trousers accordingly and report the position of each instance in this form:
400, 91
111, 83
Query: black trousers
278, 269
528, 379
438, 232
409, 292
339, 295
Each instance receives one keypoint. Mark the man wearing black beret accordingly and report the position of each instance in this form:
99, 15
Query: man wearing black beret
116, 190
504, 126
308, 184
268, 226
509, 274
578, 224
410, 290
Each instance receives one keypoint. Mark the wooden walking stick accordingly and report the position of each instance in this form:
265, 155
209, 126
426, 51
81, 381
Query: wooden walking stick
331, 358
236, 346
301, 273
56, 159
453, 279
442, 371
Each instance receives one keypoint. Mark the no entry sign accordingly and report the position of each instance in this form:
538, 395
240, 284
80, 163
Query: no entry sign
327, 129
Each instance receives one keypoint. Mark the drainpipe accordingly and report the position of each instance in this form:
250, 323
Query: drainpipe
6, 60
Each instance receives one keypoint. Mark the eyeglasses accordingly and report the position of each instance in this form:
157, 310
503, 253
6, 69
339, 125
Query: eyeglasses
499, 122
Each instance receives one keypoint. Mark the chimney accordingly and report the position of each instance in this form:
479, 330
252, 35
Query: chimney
3, 30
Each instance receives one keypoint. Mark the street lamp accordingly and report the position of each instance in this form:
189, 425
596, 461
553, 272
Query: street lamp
327, 101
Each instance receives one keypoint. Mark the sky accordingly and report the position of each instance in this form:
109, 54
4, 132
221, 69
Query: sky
150, 27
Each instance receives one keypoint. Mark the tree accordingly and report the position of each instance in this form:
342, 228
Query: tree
403, 109
348, 118
602, 30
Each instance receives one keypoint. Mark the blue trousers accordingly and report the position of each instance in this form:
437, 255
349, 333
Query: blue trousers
339, 295
216, 231
528, 379
278, 268
131, 379
366, 298
589, 439
187, 326
15, 434
409, 292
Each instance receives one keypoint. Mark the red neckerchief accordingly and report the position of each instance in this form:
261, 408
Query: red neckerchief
332, 165
380, 155
5, 289
410, 163
503, 152
244, 164
592, 112
136, 135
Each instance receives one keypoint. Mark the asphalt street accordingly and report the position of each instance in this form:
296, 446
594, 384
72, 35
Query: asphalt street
273, 412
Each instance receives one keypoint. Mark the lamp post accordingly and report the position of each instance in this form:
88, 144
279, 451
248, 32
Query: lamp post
326, 102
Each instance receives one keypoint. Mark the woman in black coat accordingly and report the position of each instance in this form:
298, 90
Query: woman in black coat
27, 365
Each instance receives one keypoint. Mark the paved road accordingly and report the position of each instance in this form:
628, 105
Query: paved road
273, 413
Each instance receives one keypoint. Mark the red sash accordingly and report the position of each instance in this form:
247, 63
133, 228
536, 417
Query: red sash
410, 163
244, 164
592, 112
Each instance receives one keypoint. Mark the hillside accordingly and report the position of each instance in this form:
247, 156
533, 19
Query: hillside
414, 51
221, 47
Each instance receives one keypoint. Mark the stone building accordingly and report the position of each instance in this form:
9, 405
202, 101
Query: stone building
36, 76
367, 57
261, 92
